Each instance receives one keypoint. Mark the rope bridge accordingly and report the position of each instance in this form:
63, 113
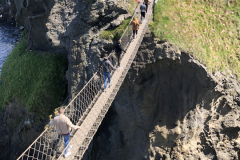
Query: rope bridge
89, 106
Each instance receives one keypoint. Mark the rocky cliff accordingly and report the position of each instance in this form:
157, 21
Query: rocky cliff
7, 12
170, 107
72, 27
18, 131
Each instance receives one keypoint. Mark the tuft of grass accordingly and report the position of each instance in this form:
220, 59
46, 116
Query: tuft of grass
115, 33
35, 80
209, 30
131, 6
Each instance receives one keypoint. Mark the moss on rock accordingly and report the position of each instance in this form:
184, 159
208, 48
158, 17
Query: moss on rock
35, 80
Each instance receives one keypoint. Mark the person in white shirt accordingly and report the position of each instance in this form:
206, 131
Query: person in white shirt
63, 126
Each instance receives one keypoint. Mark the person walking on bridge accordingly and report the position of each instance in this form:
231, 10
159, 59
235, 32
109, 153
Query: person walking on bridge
143, 10
63, 127
107, 66
146, 3
135, 26
118, 51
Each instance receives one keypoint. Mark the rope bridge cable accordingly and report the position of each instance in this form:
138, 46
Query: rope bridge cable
88, 107
89, 127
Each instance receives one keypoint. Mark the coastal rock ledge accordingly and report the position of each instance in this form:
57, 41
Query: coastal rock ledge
170, 107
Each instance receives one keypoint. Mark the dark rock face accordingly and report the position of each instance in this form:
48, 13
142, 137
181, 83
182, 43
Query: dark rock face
3, 10
6, 12
72, 27
33, 15
169, 107
18, 131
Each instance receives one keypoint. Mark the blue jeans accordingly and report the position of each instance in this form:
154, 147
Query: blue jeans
66, 141
106, 76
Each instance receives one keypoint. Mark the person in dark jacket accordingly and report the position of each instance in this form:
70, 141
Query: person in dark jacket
107, 66
118, 51
146, 3
143, 10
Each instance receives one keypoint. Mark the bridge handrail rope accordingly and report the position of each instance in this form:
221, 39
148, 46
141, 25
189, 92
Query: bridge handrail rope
89, 127
48, 142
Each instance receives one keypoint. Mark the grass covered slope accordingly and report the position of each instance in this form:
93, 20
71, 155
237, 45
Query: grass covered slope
115, 33
210, 30
34, 80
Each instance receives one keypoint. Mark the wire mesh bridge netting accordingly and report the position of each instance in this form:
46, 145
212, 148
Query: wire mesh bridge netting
89, 107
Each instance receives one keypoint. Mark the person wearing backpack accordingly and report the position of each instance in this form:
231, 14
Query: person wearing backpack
107, 66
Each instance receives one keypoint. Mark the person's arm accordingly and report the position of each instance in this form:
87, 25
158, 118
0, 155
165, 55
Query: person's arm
137, 24
50, 123
69, 123
122, 48
110, 64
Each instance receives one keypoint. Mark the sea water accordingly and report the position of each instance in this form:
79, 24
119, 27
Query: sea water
9, 35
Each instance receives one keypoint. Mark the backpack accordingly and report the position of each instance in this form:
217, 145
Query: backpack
105, 64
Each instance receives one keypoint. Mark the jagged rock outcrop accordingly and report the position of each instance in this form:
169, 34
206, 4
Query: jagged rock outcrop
170, 107
18, 130
7, 11
72, 27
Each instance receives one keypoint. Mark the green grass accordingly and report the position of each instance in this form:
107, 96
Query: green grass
132, 6
115, 33
35, 80
210, 30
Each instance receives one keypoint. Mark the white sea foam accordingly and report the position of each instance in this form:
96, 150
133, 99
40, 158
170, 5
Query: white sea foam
8, 37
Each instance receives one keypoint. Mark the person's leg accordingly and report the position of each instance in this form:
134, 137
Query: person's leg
146, 7
118, 57
141, 15
144, 15
136, 32
113, 59
105, 80
133, 33
66, 141
109, 79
